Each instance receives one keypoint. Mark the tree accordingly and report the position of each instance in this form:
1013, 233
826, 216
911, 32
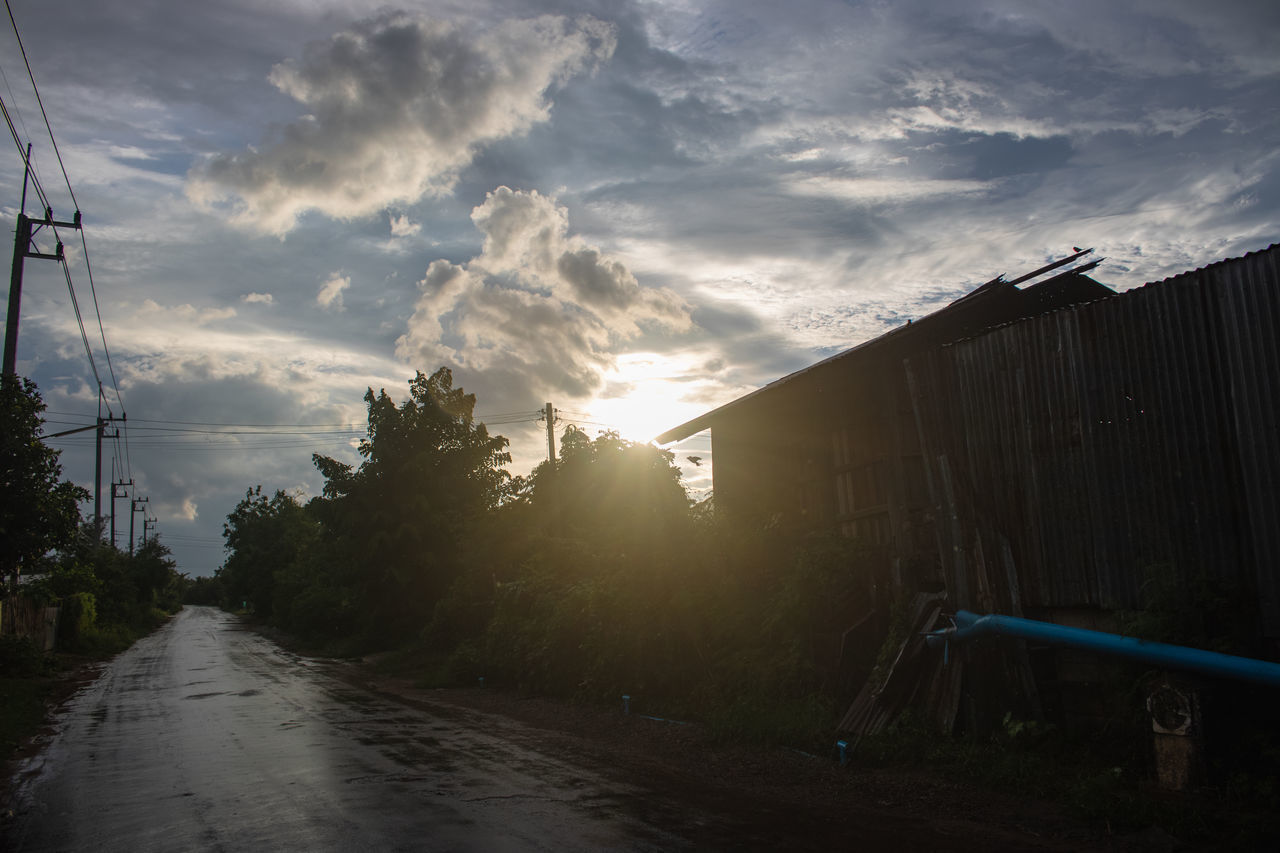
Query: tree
38, 510
621, 495
155, 574
264, 536
403, 517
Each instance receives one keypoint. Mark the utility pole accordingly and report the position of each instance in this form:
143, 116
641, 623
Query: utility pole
23, 248
147, 524
123, 486
97, 472
134, 506
550, 414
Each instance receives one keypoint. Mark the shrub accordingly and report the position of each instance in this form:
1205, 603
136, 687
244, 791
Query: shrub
19, 658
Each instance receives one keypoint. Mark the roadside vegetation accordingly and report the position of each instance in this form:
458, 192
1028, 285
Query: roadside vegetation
106, 597
589, 579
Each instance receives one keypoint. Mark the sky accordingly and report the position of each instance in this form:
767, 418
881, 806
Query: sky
635, 210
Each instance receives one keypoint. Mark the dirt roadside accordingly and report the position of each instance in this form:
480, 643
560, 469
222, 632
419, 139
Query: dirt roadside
811, 791
74, 674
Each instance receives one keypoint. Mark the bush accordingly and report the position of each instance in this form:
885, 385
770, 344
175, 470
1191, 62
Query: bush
19, 658
77, 620
321, 613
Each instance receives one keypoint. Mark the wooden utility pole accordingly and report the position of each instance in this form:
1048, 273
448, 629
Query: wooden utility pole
24, 248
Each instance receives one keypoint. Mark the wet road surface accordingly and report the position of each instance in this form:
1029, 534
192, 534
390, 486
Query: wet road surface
206, 736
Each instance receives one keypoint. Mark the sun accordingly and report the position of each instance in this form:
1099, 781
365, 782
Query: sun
645, 395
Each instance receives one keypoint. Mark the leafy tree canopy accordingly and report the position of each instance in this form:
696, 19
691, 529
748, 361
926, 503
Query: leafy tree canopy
430, 471
263, 534
38, 510
611, 490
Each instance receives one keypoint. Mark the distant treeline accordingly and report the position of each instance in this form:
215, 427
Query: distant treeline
593, 577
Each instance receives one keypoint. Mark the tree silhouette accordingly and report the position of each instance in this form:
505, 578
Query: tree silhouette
38, 510
401, 518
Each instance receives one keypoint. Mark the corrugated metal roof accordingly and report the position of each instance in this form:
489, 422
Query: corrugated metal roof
975, 301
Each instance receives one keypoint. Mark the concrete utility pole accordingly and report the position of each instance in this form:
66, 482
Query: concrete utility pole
550, 414
124, 493
147, 524
138, 503
97, 474
24, 248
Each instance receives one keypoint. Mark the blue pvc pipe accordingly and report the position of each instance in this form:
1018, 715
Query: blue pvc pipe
971, 626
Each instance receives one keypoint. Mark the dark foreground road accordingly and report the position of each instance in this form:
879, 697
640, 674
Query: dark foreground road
207, 736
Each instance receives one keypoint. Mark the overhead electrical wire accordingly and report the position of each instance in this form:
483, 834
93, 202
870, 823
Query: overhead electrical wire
14, 98
229, 424
23, 154
88, 350
53, 140
40, 101
34, 177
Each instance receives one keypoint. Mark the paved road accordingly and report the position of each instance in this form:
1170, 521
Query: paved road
205, 736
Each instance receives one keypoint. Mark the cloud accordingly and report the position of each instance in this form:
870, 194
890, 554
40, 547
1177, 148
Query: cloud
158, 314
402, 227
398, 106
262, 298
330, 295
536, 302
882, 190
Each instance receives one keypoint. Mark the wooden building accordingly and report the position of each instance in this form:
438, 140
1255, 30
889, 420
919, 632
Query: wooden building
836, 445
1051, 450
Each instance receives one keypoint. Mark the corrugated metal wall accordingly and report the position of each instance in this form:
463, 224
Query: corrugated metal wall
1107, 440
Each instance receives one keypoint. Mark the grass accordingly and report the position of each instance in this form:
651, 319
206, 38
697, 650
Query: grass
22, 709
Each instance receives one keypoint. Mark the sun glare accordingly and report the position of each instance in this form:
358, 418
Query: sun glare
642, 399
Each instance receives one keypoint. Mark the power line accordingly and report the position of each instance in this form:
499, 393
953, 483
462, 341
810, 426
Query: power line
230, 424
88, 351
48, 220
96, 310
40, 101
151, 430
14, 97
24, 154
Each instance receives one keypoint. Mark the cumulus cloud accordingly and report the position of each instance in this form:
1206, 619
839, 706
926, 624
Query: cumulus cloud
536, 302
397, 105
330, 295
261, 298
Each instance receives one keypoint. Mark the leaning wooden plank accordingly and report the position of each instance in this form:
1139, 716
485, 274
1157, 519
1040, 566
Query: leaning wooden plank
877, 704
